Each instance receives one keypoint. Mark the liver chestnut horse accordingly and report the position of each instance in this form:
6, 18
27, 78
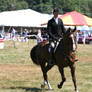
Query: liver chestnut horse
64, 56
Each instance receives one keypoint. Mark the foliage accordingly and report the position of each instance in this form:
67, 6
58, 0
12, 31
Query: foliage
46, 6
8, 5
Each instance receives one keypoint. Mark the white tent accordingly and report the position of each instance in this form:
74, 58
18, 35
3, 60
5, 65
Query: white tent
23, 18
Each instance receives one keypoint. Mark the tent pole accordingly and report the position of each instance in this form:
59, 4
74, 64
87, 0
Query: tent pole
3, 29
9, 29
21, 29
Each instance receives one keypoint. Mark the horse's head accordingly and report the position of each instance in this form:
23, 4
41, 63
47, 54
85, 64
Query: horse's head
70, 32
69, 39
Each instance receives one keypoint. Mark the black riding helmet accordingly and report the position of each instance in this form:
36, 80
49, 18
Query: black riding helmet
56, 10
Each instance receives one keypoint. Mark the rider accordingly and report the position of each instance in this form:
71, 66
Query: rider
55, 30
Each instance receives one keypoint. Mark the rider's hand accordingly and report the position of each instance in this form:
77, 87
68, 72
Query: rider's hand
56, 38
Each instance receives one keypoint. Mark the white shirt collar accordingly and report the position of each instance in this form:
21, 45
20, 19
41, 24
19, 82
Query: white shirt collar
56, 20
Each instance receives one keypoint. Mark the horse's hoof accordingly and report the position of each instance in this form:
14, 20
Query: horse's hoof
59, 86
42, 86
77, 91
50, 89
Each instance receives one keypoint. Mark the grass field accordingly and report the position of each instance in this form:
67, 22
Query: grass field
19, 74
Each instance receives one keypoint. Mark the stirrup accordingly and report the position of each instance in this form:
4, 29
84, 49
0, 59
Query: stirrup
76, 60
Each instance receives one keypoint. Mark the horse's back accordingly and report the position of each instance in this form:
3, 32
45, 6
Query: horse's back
33, 55
40, 52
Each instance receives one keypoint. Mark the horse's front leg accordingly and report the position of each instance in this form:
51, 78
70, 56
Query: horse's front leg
45, 69
73, 76
61, 70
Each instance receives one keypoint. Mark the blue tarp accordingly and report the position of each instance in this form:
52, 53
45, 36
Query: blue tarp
85, 28
90, 29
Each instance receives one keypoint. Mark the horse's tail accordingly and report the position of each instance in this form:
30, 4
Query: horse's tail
33, 55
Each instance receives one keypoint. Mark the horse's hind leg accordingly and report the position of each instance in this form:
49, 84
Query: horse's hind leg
61, 70
45, 69
74, 77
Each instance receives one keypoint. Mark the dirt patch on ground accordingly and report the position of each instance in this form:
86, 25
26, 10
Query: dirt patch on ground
86, 59
15, 67
19, 72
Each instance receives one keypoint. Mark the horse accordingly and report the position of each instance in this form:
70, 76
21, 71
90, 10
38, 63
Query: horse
64, 57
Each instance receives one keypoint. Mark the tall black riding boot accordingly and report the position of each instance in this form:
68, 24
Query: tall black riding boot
51, 61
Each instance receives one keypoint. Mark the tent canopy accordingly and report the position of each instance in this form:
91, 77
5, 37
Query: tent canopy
76, 19
23, 18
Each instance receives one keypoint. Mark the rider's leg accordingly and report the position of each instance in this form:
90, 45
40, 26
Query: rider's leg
51, 52
51, 61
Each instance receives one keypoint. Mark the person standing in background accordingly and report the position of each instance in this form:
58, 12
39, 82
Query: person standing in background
77, 37
83, 37
13, 34
39, 37
25, 35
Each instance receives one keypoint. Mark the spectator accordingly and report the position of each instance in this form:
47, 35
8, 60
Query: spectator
45, 37
39, 37
88, 34
25, 35
13, 34
77, 36
83, 37
21, 34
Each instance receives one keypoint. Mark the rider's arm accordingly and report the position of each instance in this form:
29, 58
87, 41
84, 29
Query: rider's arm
62, 27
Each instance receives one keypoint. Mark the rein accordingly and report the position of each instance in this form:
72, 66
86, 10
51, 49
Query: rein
57, 43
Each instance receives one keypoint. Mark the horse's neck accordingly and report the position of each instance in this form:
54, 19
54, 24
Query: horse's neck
65, 45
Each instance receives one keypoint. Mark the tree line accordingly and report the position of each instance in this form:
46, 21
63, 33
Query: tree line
46, 6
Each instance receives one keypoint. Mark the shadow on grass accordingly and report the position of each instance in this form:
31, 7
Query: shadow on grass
27, 89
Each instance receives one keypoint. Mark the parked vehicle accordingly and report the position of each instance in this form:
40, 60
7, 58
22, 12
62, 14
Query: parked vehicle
1, 42
87, 41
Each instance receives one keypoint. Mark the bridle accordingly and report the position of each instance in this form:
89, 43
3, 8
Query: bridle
74, 43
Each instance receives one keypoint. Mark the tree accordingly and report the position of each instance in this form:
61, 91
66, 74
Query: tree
90, 7
84, 8
8, 5
46, 6
21, 5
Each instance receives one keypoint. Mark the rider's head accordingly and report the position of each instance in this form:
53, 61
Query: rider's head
55, 12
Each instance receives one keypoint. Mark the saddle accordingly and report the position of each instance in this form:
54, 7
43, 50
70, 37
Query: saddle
43, 43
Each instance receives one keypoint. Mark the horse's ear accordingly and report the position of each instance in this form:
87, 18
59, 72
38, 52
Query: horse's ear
74, 29
69, 29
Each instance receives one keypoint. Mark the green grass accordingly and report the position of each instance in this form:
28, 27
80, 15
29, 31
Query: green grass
19, 74
20, 54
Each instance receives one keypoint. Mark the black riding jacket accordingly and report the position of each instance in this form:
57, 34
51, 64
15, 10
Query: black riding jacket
55, 31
